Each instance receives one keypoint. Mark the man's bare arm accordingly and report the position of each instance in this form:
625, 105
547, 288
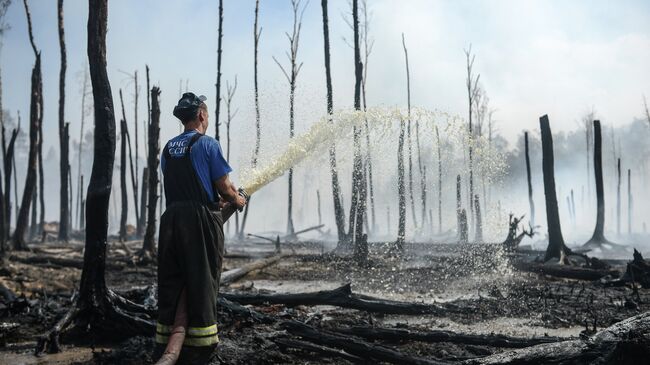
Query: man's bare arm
229, 192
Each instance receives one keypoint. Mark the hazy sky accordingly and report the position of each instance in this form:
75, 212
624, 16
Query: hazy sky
535, 57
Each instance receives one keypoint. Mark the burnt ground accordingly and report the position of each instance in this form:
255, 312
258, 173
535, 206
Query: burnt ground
477, 283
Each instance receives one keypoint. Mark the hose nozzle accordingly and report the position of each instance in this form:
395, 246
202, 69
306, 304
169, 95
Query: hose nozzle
244, 195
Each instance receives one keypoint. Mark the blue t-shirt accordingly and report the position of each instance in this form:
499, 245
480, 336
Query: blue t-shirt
206, 155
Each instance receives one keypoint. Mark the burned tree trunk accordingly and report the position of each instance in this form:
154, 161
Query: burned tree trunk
143, 203
34, 142
358, 175
401, 191
9, 157
556, 248
618, 197
218, 84
153, 162
463, 227
598, 237
125, 200
408, 130
458, 205
439, 182
97, 308
134, 182
479, 223
530, 184
256, 40
292, 77
339, 214
64, 165
629, 201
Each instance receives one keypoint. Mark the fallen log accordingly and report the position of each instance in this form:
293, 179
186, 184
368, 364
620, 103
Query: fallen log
285, 343
340, 297
230, 276
399, 335
58, 262
237, 310
354, 345
565, 271
625, 342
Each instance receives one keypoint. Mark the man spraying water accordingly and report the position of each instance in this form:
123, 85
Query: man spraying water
191, 240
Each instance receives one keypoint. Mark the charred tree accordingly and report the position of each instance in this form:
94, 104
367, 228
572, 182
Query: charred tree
97, 308
408, 131
367, 49
629, 201
84, 92
439, 182
34, 142
401, 191
258, 132
529, 179
257, 32
479, 223
134, 181
358, 204
458, 204
142, 219
556, 248
472, 93
8, 169
618, 197
125, 201
598, 237
218, 84
464, 232
292, 77
64, 165
153, 161
339, 213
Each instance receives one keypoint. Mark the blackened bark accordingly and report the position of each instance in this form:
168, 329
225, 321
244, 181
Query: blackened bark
8, 169
629, 201
64, 208
599, 231
463, 227
556, 247
125, 201
34, 141
358, 208
408, 131
401, 191
153, 162
479, 223
339, 213
458, 205
530, 184
84, 91
256, 41
618, 197
134, 182
218, 84
439, 182
142, 219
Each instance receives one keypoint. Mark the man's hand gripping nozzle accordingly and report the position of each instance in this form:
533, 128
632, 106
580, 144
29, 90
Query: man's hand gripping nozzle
244, 195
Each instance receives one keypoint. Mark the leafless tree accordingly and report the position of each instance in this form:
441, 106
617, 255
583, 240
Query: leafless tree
439, 182
96, 307
231, 89
530, 184
292, 76
218, 84
598, 237
153, 162
586, 123
408, 130
64, 137
134, 177
339, 213
35, 118
257, 32
472, 85
125, 201
85, 90
401, 191
5, 200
